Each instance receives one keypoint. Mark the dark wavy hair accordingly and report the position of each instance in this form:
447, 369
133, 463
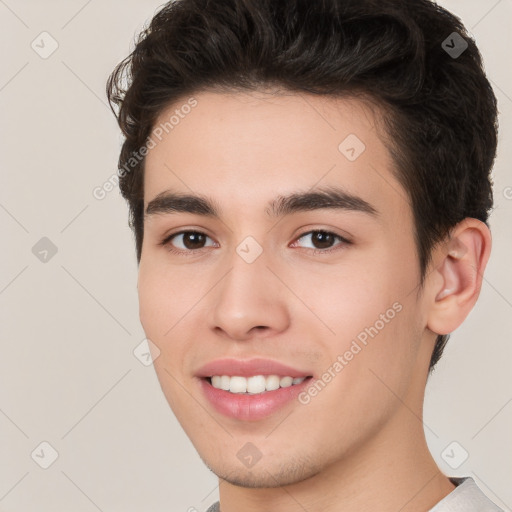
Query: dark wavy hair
438, 107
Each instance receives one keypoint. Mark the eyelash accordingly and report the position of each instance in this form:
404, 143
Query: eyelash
166, 242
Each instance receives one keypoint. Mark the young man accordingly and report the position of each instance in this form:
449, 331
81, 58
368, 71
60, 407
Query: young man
308, 184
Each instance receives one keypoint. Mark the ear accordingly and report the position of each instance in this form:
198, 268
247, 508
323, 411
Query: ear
456, 281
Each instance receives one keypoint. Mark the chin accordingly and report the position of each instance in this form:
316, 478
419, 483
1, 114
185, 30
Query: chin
266, 475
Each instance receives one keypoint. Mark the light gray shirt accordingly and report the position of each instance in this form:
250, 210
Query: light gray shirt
466, 497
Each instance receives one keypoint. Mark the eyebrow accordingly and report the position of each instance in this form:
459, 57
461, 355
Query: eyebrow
332, 198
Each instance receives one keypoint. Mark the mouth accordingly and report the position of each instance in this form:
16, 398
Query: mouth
253, 404
251, 390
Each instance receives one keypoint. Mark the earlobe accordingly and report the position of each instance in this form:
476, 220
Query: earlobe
457, 280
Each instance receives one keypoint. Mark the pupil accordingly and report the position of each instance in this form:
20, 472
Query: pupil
190, 240
324, 238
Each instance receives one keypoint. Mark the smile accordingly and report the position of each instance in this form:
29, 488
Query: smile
253, 385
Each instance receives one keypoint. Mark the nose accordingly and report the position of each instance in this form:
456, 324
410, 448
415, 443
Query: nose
249, 300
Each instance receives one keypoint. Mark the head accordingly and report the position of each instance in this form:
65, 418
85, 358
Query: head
245, 102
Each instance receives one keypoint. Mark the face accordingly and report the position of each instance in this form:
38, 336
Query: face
267, 284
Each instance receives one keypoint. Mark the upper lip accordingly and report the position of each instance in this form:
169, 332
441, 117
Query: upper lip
248, 368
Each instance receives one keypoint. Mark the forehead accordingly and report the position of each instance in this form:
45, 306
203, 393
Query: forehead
245, 148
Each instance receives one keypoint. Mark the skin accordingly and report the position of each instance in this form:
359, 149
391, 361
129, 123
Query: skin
359, 444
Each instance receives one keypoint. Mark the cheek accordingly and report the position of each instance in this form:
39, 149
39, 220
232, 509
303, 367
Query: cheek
344, 300
152, 303
164, 297
168, 304
160, 311
371, 310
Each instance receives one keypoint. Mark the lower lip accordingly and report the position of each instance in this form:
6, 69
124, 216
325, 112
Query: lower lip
251, 407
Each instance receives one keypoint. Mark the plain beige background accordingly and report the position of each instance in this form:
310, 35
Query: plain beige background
69, 375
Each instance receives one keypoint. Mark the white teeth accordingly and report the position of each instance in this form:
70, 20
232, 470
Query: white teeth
224, 382
272, 383
256, 384
286, 382
253, 385
238, 385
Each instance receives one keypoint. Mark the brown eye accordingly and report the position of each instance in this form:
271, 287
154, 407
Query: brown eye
186, 241
323, 241
193, 240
